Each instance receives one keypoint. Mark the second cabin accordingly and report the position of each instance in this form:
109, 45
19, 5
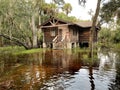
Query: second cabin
60, 34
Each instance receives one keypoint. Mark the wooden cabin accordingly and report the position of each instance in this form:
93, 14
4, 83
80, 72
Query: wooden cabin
60, 34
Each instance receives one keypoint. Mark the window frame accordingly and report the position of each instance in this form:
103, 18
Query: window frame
53, 31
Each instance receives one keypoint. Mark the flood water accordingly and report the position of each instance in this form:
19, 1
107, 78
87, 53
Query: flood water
60, 70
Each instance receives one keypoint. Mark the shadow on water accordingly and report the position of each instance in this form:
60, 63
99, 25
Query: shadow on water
58, 70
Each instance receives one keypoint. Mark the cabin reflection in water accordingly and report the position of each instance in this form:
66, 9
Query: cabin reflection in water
57, 70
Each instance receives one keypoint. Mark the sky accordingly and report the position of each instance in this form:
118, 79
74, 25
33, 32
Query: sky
79, 11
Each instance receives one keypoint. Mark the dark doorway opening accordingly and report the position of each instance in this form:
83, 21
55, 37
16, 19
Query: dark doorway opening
83, 44
73, 45
51, 45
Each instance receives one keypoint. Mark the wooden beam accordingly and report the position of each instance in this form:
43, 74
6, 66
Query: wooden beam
56, 22
51, 23
55, 25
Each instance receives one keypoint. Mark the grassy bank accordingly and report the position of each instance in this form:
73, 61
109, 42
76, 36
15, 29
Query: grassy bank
116, 47
87, 50
16, 50
28, 51
11, 49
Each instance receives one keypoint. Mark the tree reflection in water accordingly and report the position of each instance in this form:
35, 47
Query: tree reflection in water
59, 70
91, 77
115, 85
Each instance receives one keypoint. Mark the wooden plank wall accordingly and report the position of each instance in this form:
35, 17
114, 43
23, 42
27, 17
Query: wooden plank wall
84, 35
74, 38
47, 35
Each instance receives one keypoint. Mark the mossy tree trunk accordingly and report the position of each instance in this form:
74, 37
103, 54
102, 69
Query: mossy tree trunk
92, 30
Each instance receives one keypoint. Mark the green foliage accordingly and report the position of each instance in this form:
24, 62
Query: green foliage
109, 10
10, 49
117, 47
67, 8
49, 9
105, 35
16, 50
19, 19
66, 18
27, 51
108, 37
116, 37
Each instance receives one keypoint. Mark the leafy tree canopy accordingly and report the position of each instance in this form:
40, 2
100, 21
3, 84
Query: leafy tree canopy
67, 8
109, 10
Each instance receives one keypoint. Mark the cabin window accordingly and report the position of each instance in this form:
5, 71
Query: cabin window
53, 32
75, 32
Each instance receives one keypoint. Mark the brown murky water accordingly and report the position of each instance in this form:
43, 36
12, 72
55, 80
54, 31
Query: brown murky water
60, 70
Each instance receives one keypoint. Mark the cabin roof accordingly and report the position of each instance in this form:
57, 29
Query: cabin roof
82, 24
57, 19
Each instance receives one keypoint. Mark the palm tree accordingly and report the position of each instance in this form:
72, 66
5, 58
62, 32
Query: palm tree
59, 2
67, 8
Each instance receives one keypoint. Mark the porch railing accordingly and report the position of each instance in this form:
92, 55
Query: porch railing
58, 38
57, 42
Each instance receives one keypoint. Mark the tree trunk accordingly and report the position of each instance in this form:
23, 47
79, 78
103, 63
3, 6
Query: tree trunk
39, 37
1, 39
34, 32
1, 42
15, 40
91, 41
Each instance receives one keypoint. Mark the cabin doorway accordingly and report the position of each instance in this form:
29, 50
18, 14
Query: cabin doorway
60, 32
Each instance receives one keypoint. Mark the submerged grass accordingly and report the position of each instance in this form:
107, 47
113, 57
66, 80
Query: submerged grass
87, 50
85, 54
10, 49
17, 50
28, 51
117, 46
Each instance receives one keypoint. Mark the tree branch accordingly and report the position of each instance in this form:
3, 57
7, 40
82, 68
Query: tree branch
15, 40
